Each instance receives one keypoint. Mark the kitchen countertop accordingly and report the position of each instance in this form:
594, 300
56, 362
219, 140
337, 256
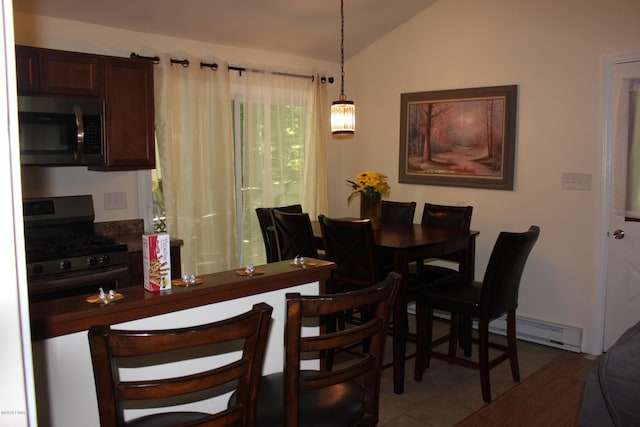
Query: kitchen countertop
129, 232
73, 314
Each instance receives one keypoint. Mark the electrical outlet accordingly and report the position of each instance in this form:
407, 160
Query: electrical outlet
576, 181
115, 200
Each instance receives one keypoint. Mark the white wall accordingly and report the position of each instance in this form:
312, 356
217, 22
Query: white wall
61, 34
553, 51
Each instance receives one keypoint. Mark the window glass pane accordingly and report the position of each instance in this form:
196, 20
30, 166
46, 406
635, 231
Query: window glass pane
633, 166
280, 141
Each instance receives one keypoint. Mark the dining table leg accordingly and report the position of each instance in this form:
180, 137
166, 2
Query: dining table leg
401, 266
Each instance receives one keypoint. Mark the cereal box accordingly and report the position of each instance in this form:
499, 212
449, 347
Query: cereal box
156, 261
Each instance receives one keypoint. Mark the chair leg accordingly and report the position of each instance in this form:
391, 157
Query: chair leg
429, 338
454, 333
466, 331
483, 356
512, 344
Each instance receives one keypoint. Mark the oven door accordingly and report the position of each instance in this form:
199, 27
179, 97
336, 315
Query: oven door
78, 282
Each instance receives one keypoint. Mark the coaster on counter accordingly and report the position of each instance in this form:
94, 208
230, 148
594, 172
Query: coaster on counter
306, 264
243, 272
95, 299
180, 282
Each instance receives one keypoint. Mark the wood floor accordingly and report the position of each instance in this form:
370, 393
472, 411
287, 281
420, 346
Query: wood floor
549, 397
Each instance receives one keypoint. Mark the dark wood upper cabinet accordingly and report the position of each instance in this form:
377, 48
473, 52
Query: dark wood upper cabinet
128, 87
27, 69
125, 84
69, 73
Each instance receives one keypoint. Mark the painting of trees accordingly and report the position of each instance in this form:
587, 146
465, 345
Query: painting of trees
458, 136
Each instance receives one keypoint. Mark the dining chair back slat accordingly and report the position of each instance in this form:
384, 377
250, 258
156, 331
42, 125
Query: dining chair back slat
114, 349
347, 395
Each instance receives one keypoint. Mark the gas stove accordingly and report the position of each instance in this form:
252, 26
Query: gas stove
64, 255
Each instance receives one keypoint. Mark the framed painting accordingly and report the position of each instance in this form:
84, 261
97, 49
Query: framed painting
460, 138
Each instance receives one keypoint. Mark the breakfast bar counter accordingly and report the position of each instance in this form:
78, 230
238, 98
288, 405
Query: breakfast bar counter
73, 314
63, 374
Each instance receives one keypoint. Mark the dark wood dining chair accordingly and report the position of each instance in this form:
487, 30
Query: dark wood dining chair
443, 216
294, 235
496, 295
351, 245
112, 348
423, 275
398, 212
268, 233
347, 395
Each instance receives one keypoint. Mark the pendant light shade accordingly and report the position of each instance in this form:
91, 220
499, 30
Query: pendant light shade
343, 117
343, 112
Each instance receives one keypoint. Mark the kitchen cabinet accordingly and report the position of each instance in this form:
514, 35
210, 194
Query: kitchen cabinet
124, 84
128, 88
51, 72
27, 69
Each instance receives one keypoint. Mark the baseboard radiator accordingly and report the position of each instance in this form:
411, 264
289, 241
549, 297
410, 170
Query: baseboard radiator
532, 330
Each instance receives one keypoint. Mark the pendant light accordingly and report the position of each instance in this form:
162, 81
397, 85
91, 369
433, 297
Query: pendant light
343, 112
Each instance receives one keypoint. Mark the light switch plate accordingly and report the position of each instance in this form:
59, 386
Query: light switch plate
576, 181
115, 200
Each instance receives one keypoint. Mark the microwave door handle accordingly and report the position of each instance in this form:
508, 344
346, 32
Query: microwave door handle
80, 135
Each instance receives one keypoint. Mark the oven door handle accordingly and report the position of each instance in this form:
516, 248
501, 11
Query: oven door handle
79, 151
42, 285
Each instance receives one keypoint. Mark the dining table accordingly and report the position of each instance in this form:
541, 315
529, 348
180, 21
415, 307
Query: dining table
403, 244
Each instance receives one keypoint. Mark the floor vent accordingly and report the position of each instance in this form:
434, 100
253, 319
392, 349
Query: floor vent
532, 330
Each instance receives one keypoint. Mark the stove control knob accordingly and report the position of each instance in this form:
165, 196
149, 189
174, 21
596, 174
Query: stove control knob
92, 261
104, 259
37, 269
65, 265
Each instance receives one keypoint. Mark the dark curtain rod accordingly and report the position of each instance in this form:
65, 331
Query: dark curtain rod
214, 66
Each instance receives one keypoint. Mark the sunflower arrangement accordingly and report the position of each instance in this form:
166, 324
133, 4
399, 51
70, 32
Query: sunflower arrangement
369, 183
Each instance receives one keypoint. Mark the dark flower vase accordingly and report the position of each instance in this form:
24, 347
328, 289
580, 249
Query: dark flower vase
371, 207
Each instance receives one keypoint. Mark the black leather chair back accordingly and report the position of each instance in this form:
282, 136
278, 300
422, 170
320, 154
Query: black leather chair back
294, 235
268, 233
398, 212
458, 217
502, 278
351, 245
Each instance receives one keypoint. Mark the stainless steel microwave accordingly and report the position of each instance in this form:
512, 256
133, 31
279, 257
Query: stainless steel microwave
58, 131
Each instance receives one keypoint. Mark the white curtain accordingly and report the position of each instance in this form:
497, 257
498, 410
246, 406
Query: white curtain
282, 149
194, 135
316, 199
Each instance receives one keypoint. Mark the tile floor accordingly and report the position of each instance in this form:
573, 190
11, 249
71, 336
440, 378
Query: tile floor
448, 393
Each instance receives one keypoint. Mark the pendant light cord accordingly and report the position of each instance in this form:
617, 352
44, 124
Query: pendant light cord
342, 95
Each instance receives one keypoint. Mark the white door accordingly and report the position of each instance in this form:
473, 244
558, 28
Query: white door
622, 300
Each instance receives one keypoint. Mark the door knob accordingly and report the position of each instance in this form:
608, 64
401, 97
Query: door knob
618, 234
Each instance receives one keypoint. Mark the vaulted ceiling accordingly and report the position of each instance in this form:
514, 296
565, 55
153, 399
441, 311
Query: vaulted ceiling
308, 28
